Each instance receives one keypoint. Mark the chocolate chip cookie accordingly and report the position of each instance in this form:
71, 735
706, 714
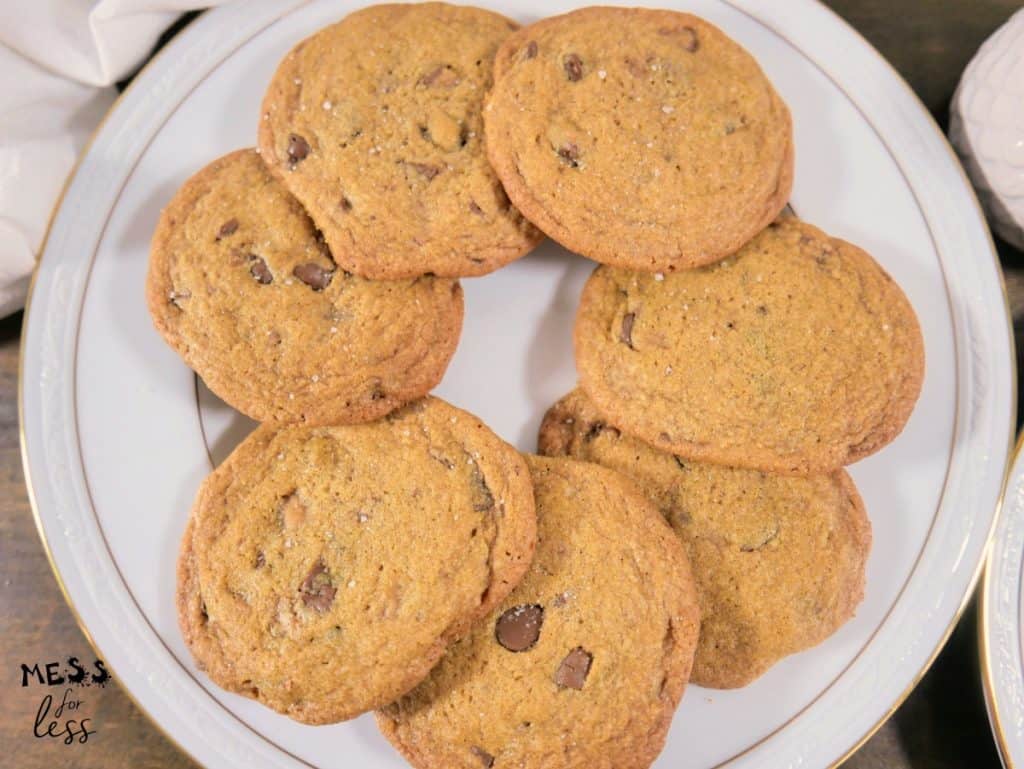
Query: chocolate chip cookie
797, 355
583, 664
778, 561
243, 287
644, 139
325, 569
375, 124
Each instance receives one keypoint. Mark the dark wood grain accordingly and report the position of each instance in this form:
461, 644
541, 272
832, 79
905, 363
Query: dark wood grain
928, 41
941, 726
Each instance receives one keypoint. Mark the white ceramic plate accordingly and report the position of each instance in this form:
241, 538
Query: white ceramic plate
118, 435
1001, 622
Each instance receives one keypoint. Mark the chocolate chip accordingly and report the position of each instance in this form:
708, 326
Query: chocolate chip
626, 334
573, 66
259, 270
316, 589
345, 203
572, 673
689, 39
427, 169
483, 499
570, 153
298, 149
313, 275
596, 428
486, 759
443, 76
230, 227
531, 50
687, 36
518, 628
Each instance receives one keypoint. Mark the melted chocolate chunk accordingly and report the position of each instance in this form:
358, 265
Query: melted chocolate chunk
426, 169
573, 66
570, 154
298, 149
572, 672
316, 589
313, 275
596, 428
443, 76
626, 333
483, 499
687, 37
230, 227
486, 759
518, 628
259, 270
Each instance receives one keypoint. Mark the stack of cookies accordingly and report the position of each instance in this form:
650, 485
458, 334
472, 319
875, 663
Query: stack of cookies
371, 547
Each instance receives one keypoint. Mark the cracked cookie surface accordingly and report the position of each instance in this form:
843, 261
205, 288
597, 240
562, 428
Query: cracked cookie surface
585, 662
325, 569
375, 124
798, 354
778, 561
242, 286
645, 139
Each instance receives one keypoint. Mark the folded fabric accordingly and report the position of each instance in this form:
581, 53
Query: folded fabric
60, 60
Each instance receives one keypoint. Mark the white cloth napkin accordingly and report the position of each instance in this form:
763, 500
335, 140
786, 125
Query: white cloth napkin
59, 60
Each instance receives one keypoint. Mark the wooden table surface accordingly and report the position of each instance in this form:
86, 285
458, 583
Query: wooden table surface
942, 724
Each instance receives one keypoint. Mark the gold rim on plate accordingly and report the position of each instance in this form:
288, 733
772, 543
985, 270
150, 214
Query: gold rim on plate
984, 609
1011, 452
26, 470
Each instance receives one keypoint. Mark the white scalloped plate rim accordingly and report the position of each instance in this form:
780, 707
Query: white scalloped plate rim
60, 369
1001, 621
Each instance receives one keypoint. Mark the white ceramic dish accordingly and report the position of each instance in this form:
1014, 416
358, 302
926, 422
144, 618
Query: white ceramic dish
117, 434
1001, 622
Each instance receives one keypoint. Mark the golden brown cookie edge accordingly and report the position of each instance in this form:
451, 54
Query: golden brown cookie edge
347, 256
224, 385
603, 251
